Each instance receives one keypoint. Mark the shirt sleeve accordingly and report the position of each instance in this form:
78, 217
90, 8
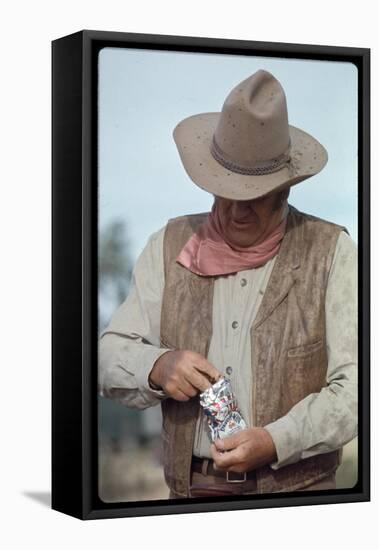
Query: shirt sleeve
325, 421
130, 344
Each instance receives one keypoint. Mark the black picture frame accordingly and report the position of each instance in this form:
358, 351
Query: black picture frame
74, 272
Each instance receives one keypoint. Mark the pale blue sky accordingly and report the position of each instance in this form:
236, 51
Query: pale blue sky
143, 94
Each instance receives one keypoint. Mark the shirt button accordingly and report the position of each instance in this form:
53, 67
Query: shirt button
243, 282
229, 370
235, 324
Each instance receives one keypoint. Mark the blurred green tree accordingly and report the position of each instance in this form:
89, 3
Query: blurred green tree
115, 266
114, 269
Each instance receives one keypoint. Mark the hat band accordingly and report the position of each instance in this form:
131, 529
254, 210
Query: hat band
265, 167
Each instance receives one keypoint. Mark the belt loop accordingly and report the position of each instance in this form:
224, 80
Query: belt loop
204, 466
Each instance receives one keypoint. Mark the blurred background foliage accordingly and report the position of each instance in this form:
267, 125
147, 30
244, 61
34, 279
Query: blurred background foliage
115, 268
130, 453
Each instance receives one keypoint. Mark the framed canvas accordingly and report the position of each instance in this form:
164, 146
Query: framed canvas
210, 342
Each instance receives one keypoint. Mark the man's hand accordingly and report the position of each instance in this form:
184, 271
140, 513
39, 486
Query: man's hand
183, 374
244, 450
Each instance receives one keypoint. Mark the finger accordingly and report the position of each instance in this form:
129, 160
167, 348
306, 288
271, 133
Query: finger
224, 461
187, 388
214, 455
179, 396
229, 443
196, 379
207, 368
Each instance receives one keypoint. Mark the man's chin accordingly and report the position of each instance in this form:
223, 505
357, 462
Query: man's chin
249, 226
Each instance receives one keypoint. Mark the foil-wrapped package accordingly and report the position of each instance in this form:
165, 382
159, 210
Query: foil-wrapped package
220, 407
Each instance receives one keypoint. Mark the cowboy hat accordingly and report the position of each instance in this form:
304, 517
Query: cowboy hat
249, 149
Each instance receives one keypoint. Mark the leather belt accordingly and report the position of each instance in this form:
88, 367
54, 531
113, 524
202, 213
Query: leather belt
206, 467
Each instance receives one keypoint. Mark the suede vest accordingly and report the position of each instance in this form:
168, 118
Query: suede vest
288, 342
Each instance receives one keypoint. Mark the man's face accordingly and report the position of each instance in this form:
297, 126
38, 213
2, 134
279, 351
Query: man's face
246, 223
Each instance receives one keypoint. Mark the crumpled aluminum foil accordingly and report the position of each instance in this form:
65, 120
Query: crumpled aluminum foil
220, 407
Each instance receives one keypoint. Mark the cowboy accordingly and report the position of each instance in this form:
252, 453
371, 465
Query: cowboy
255, 291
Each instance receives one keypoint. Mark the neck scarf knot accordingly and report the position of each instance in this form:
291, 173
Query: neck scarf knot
206, 252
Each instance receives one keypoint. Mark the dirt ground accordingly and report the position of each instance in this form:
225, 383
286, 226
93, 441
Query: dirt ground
135, 474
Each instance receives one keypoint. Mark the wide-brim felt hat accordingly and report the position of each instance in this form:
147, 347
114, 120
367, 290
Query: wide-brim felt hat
248, 149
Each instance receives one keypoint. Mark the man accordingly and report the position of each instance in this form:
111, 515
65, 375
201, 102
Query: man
255, 291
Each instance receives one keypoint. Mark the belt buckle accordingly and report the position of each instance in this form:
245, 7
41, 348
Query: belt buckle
238, 480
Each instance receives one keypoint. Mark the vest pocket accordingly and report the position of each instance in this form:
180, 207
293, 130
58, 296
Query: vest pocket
302, 351
304, 372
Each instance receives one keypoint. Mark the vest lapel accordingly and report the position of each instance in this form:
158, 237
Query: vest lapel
283, 275
201, 291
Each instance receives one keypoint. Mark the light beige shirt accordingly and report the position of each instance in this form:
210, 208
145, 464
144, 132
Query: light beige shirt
320, 423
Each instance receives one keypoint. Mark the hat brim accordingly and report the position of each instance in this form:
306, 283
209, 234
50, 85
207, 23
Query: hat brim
193, 137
